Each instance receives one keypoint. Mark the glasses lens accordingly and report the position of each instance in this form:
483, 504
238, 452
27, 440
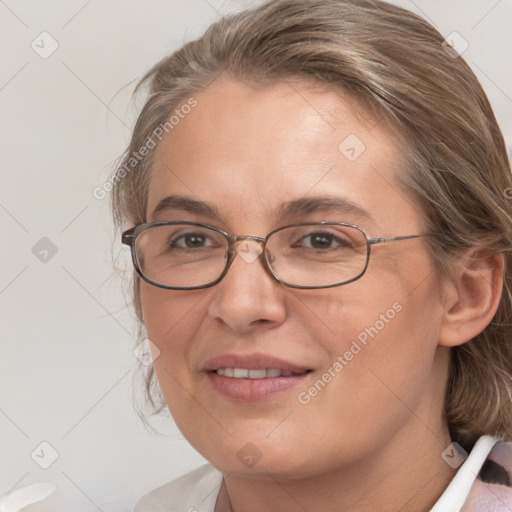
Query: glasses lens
317, 255
181, 255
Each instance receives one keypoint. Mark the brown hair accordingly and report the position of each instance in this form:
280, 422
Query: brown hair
395, 63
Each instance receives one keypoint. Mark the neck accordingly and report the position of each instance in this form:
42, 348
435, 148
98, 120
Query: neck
407, 474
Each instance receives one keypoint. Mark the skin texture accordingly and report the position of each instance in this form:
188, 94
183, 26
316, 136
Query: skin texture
372, 438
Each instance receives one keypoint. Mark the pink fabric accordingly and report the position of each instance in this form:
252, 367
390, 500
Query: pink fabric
492, 490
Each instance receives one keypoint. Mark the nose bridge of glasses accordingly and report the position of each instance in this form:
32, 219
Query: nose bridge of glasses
249, 248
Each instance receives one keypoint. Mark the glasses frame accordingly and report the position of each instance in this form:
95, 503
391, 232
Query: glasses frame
129, 237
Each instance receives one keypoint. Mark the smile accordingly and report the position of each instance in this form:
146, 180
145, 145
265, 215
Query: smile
245, 373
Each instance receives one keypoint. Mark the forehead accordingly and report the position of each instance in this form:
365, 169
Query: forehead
249, 150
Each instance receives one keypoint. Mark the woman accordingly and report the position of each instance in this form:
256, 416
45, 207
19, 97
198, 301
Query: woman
315, 196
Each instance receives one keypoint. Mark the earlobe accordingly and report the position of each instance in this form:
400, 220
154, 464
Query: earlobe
473, 297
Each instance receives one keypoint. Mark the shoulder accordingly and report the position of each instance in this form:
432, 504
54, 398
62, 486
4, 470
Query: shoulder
492, 490
196, 491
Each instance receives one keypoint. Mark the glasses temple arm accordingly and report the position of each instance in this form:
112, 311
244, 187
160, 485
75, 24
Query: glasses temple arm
393, 239
127, 237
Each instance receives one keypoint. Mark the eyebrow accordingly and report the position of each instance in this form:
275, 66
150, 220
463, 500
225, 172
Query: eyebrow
291, 209
186, 204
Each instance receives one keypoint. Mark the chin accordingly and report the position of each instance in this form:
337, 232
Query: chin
260, 457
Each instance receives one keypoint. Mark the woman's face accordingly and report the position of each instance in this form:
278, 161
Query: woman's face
369, 375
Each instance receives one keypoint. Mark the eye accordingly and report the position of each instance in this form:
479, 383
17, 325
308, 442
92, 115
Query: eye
191, 240
324, 240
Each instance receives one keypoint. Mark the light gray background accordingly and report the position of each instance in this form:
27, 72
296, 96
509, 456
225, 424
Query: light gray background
66, 362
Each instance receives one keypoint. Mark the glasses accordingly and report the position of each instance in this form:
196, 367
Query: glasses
188, 255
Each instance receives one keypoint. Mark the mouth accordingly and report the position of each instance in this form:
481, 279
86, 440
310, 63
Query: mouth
264, 373
252, 377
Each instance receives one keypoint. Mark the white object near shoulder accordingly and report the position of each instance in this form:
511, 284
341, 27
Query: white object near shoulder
20, 498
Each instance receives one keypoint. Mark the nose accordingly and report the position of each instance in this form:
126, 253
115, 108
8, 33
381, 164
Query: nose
248, 296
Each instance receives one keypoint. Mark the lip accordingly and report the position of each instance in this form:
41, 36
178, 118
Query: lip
251, 362
250, 390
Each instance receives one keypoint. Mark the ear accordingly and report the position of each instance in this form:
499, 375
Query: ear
472, 297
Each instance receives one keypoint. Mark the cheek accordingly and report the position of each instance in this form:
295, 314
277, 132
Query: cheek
381, 356
167, 312
381, 329
171, 318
